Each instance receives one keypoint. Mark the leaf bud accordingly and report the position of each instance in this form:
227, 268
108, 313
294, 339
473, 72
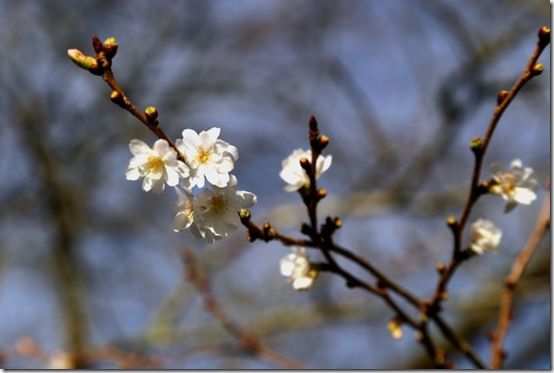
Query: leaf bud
110, 47
501, 96
82, 60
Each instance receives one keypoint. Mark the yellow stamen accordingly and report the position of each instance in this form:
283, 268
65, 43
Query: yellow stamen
155, 164
203, 156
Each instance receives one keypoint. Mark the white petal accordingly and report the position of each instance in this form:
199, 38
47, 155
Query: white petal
190, 139
147, 184
161, 147
138, 147
217, 179
516, 163
302, 283
172, 176
181, 222
524, 196
158, 186
247, 199
132, 174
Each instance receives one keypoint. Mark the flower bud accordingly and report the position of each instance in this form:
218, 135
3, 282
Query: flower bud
117, 98
306, 229
82, 60
321, 193
451, 221
323, 141
151, 114
476, 144
395, 329
544, 36
313, 123
244, 214
110, 47
501, 96
537, 69
305, 164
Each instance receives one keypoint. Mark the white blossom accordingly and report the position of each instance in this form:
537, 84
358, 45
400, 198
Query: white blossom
484, 236
514, 185
185, 210
216, 210
158, 165
208, 157
296, 266
295, 176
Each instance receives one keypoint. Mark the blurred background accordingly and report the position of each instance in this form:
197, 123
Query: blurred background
89, 263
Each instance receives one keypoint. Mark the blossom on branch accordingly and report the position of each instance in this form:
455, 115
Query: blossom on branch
514, 185
208, 157
485, 236
296, 266
293, 173
214, 213
158, 165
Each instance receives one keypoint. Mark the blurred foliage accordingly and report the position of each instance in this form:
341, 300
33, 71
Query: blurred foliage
88, 262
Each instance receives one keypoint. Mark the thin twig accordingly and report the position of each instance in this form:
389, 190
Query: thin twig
249, 342
506, 309
479, 148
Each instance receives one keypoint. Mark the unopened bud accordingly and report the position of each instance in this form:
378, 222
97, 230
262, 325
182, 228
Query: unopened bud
244, 214
544, 36
440, 268
451, 221
306, 229
501, 96
537, 68
151, 114
313, 123
323, 142
321, 193
476, 144
117, 98
305, 164
110, 47
338, 222
82, 60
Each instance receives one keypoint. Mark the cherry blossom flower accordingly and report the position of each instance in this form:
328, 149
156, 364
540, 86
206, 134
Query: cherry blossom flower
208, 157
185, 210
214, 213
158, 165
296, 266
514, 185
484, 236
295, 176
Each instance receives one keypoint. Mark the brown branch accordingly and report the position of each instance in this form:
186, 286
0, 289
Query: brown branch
506, 309
249, 342
479, 147
104, 55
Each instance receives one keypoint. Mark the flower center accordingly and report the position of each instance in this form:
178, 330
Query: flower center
508, 184
155, 164
203, 156
218, 205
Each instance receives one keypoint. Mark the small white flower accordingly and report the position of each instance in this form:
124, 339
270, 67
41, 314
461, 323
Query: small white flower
185, 210
296, 266
158, 165
216, 210
295, 176
207, 157
514, 185
484, 236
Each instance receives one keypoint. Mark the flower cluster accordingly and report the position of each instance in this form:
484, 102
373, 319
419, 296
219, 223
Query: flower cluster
514, 185
296, 266
485, 236
213, 213
293, 173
